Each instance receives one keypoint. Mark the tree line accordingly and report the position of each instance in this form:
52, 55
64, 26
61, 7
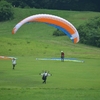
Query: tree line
77, 5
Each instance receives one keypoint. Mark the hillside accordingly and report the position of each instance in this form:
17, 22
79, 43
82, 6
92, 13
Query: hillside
35, 39
70, 80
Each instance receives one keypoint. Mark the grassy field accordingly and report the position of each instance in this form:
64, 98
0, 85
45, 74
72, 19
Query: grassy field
69, 80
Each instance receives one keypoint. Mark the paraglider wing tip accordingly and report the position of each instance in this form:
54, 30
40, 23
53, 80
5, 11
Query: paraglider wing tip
76, 40
13, 31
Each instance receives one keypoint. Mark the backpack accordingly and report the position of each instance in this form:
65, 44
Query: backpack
43, 77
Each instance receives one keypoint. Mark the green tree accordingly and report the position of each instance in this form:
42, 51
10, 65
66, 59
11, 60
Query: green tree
6, 11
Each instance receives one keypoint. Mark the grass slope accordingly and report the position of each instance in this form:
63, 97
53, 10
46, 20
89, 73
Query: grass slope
70, 80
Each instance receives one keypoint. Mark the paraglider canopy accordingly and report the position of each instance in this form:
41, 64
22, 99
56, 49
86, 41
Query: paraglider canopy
55, 21
7, 58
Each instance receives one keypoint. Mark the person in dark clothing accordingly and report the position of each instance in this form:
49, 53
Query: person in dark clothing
45, 75
62, 56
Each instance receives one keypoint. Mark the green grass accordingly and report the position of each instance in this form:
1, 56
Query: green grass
70, 80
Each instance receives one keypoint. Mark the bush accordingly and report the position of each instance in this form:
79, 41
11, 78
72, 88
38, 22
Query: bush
58, 33
6, 11
90, 32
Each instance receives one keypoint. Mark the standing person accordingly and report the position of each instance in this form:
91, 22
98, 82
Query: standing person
62, 56
14, 63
